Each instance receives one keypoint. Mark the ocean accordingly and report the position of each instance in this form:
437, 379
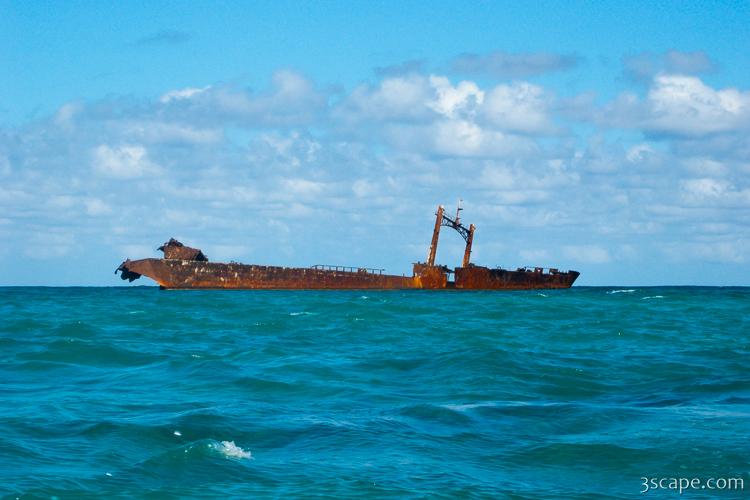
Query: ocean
590, 392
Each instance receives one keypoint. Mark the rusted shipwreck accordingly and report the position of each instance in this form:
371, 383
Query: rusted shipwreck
183, 267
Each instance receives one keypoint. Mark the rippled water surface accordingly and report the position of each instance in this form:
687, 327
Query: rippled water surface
121, 392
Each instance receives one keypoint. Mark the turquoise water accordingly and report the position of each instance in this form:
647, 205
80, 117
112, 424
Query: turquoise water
122, 392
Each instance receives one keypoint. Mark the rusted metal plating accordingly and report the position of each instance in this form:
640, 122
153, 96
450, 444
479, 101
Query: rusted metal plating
185, 267
173, 249
466, 233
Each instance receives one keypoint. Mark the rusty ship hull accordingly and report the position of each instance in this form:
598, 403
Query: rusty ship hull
187, 274
181, 274
188, 268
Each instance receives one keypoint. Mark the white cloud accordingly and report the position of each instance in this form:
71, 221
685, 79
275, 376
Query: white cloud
706, 166
458, 138
592, 254
685, 105
363, 188
96, 207
397, 98
712, 192
531, 256
302, 187
726, 251
291, 100
732, 251
292, 148
456, 101
48, 245
705, 188
165, 132
61, 202
532, 181
123, 162
137, 251
5, 167
385, 154
639, 153
520, 107
226, 253
181, 94
682, 106
65, 115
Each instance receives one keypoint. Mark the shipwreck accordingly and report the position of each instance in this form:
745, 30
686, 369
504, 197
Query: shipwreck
183, 267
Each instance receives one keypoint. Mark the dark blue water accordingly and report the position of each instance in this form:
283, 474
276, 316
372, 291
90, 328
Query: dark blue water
122, 392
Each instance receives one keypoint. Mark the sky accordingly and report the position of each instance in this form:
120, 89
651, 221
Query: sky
608, 137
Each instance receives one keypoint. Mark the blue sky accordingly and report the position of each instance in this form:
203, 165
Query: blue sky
608, 137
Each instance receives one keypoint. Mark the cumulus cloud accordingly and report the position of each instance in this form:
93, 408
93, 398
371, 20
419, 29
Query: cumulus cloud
259, 173
123, 162
455, 101
433, 115
520, 107
292, 149
459, 138
709, 191
501, 64
292, 100
682, 105
395, 98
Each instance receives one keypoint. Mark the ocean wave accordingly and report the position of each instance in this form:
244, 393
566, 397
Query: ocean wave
469, 406
197, 449
436, 414
230, 450
653, 297
182, 401
82, 352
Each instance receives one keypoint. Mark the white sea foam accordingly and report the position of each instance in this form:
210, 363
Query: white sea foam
364, 297
630, 290
231, 450
542, 295
654, 297
177, 433
470, 406
302, 313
